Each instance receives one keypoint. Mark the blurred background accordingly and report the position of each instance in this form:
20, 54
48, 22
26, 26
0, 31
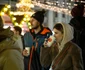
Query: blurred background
18, 12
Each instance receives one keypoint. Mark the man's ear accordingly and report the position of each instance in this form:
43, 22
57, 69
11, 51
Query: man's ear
17, 32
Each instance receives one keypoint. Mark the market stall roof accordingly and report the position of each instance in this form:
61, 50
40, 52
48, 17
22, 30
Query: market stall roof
6, 19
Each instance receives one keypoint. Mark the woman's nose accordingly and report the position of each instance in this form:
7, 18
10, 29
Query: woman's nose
54, 34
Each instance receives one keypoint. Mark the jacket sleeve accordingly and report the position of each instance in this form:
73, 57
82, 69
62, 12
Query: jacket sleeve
47, 54
28, 39
45, 57
77, 59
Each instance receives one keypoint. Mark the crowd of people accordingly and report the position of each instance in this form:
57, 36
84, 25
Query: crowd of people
67, 52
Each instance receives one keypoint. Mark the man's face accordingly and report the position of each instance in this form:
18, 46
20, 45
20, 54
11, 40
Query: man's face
34, 23
16, 32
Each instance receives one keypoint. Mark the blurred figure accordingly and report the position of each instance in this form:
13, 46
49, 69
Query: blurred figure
17, 31
34, 39
78, 22
62, 54
10, 53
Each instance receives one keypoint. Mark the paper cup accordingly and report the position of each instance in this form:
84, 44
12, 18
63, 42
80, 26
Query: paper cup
28, 50
50, 40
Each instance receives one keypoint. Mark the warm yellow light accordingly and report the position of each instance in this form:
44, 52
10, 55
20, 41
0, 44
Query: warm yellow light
30, 27
2, 13
29, 24
16, 23
25, 1
8, 6
20, 25
28, 19
24, 19
5, 9
26, 16
23, 13
13, 18
11, 13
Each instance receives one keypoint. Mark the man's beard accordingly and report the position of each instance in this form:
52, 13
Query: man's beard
35, 27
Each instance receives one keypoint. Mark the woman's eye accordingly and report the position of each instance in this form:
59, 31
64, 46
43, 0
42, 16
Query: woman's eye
56, 33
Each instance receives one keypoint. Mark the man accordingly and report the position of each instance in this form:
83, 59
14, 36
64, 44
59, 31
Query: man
37, 36
17, 31
78, 23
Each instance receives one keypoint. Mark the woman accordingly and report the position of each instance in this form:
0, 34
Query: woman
63, 54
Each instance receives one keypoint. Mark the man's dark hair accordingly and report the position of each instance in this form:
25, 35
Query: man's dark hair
17, 28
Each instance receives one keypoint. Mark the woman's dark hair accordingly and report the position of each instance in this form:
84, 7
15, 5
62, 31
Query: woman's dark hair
58, 27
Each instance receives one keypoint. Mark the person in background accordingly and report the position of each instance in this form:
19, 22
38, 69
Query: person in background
36, 38
10, 53
78, 23
63, 54
17, 31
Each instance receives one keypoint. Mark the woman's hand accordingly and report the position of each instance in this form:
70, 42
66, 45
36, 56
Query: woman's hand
45, 43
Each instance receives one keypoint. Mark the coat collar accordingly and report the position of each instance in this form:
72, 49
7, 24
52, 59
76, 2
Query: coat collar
61, 55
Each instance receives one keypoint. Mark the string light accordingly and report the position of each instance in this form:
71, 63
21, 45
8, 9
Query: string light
57, 7
22, 13
53, 8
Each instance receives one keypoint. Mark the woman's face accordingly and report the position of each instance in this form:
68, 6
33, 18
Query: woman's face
58, 35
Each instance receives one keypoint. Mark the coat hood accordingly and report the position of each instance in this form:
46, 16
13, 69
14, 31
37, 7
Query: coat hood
7, 40
5, 33
67, 34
